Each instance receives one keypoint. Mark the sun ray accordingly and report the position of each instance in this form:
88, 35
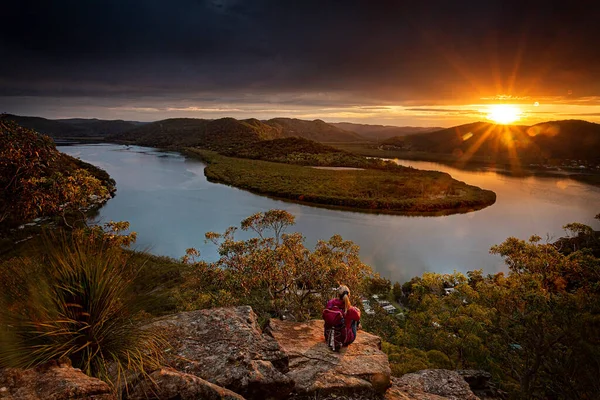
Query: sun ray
474, 147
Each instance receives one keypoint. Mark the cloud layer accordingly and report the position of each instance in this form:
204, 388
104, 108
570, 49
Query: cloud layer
192, 56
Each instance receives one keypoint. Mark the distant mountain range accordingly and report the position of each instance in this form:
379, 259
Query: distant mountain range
76, 127
569, 139
382, 132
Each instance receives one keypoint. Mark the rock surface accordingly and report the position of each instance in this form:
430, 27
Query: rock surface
226, 346
360, 369
54, 380
170, 384
430, 384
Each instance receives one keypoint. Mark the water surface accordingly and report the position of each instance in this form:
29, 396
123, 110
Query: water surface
170, 204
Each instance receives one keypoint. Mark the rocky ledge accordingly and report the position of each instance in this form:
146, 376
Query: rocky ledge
222, 353
226, 347
359, 369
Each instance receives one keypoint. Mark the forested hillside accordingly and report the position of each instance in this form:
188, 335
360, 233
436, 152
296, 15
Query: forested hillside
221, 133
316, 130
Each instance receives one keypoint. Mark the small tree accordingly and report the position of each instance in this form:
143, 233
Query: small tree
275, 273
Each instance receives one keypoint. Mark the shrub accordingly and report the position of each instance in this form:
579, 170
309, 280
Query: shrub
74, 301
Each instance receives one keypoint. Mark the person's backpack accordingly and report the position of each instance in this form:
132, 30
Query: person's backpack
335, 328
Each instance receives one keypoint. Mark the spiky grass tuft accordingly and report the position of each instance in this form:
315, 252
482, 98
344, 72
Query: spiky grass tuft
75, 301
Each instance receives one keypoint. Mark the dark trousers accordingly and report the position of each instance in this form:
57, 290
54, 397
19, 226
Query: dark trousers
354, 327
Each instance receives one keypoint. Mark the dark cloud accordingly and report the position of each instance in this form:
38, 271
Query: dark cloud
364, 53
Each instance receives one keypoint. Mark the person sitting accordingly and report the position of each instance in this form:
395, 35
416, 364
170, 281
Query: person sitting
341, 320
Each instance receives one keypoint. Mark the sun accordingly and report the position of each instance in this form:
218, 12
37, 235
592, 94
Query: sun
504, 114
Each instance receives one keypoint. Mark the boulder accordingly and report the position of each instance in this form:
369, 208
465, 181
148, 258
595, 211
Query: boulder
226, 346
169, 384
430, 384
360, 369
54, 380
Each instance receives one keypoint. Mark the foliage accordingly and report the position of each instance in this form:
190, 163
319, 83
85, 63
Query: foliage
80, 305
379, 286
273, 271
536, 329
404, 360
546, 320
36, 180
397, 291
400, 190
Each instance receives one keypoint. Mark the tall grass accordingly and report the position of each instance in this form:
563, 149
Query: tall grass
75, 300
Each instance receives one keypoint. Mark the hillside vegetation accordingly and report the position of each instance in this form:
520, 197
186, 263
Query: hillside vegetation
316, 130
39, 181
295, 150
571, 139
223, 133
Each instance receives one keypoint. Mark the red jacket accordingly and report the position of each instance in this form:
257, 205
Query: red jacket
353, 314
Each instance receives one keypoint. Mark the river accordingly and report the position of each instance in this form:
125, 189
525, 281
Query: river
170, 204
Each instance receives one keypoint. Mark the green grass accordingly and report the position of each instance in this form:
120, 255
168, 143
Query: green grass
397, 190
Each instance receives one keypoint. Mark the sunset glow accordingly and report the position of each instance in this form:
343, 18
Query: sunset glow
504, 114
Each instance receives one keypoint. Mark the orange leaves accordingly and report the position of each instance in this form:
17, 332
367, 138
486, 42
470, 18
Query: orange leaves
37, 180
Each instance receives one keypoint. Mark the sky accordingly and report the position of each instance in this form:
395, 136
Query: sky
420, 63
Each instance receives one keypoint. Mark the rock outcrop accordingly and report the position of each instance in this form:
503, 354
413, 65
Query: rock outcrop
360, 370
222, 353
54, 380
226, 346
167, 383
430, 384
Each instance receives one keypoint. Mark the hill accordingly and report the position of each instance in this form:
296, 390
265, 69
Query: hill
316, 130
72, 128
219, 134
101, 127
569, 139
227, 133
382, 132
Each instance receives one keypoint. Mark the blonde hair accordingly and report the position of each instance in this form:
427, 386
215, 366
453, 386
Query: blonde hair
344, 294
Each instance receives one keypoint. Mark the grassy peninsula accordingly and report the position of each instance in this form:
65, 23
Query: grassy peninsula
388, 189
276, 159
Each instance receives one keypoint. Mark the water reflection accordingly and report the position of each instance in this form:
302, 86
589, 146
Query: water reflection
171, 205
